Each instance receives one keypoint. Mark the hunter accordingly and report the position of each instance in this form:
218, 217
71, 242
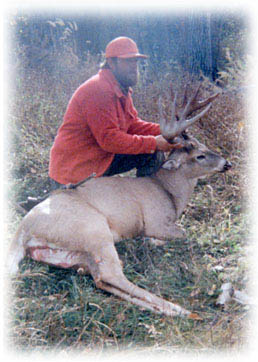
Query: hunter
101, 132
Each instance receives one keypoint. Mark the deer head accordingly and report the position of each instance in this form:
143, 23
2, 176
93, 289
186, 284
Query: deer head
197, 159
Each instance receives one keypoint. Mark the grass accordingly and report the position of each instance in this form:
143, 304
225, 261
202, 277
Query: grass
54, 309
51, 309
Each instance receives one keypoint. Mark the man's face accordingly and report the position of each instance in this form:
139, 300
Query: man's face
125, 71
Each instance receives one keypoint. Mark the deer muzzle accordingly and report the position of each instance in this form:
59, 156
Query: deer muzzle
227, 166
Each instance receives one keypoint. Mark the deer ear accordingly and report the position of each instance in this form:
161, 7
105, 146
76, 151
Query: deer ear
171, 164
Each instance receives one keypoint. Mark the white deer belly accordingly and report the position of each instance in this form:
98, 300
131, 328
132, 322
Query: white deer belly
46, 253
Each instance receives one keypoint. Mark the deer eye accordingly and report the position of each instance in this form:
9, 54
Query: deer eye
201, 157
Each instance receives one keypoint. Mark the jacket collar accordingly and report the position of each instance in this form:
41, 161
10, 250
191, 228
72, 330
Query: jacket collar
109, 76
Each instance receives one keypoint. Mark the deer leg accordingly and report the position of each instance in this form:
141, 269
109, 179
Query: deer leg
165, 233
157, 242
114, 281
158, 239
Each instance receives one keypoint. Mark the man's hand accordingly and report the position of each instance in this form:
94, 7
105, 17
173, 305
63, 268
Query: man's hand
163, 145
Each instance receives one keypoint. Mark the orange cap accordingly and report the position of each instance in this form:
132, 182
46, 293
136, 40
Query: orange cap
123, 47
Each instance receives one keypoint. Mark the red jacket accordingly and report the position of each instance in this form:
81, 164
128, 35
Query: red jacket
100, 121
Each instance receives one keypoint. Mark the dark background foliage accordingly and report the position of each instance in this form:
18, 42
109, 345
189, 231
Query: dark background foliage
194, 40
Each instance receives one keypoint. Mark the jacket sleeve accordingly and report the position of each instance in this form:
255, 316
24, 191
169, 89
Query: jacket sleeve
101, 116
141, 127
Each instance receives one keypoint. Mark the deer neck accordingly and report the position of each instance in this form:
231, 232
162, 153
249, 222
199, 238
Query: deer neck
177, 186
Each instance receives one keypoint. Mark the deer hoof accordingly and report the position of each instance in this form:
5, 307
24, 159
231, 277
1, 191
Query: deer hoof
157, 242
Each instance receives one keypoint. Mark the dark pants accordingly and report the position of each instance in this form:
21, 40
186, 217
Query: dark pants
145, 164
54, 185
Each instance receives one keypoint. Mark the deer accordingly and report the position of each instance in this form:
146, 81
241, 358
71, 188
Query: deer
78, 228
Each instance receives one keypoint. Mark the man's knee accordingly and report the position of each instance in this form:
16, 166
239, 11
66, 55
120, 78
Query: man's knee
54, 185
151, 165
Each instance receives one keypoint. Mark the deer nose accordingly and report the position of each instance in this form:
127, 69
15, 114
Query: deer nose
227, 166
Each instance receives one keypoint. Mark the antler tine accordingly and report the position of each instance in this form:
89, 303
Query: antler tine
184, 103
172, 93
168, 128
207, 101
173, 104
192, 120
161, 113
183, 124
162, 119
184, 97
191, 104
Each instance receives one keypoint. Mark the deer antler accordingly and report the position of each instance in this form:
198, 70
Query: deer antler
178, 123
193, 104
